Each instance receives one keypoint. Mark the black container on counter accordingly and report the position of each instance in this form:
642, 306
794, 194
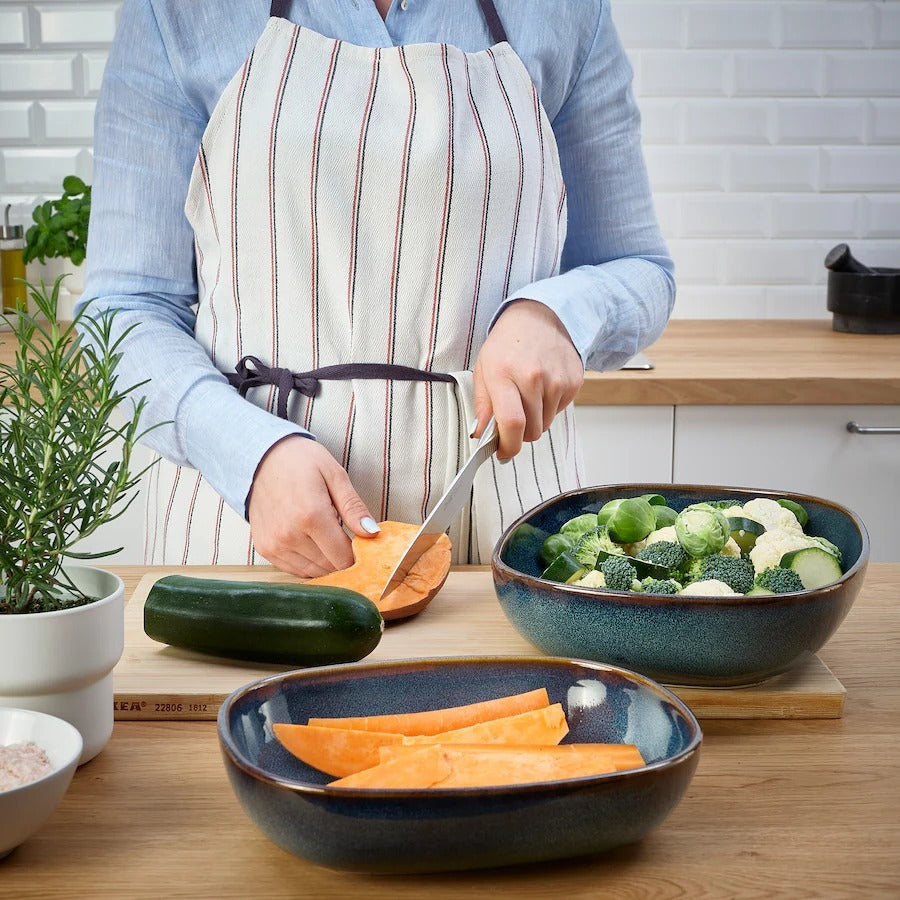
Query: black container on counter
863, 300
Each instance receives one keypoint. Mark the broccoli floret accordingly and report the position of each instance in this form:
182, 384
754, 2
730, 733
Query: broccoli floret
655, 586
737, 573
690, 570
779, 580
664, 553
592, 543
618, 572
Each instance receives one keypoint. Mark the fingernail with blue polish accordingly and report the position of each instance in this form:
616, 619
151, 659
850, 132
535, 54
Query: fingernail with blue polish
370, 525
472, 427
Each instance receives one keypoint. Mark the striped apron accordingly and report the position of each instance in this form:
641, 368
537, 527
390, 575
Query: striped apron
357, 208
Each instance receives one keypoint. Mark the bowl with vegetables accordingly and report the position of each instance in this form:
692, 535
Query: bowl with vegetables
456, 763
689, 584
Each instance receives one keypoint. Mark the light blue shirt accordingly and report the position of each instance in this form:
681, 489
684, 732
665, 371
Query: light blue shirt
169, 63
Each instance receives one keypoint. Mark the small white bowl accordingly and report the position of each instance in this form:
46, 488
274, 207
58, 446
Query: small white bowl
23, 810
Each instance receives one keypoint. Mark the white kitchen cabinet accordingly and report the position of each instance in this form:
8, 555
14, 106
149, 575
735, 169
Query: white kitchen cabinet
801, 448
626, 443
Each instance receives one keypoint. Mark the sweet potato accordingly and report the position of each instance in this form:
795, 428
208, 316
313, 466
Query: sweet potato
375, 559
475, 766
424, 768
538, 726
434, 721
619, 756
336, 751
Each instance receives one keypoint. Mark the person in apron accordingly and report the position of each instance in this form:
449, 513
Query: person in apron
359, 213
369, 226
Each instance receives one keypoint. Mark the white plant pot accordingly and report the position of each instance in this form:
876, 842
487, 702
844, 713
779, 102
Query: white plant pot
71, 288
61, 662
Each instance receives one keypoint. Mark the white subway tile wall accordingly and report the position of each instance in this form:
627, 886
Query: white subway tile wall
771, 130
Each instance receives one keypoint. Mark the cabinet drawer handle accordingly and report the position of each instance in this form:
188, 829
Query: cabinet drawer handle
873, 429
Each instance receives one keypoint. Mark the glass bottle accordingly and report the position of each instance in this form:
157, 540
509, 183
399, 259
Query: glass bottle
12, 266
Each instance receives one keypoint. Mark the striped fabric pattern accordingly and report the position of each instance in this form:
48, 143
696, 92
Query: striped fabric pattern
357, 204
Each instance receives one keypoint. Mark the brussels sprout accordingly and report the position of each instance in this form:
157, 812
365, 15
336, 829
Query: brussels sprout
654, 499
580, 524
801, 514
702, 529
665, 516
556, 544
632, 519
607, 511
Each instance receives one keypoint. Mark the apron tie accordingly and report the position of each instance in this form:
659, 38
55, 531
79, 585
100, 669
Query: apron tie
251, 372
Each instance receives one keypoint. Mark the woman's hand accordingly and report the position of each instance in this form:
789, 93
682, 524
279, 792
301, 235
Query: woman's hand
527, 371
299, 497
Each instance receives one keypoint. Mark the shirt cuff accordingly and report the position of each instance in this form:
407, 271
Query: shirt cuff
225, 437
569, 296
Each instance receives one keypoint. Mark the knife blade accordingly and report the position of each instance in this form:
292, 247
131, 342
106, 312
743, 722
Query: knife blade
447, 508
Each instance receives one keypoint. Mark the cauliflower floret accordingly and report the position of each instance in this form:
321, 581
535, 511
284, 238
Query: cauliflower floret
771, 515
661, 534
731, 548
709, 588
772, 545
594, 578
736, 511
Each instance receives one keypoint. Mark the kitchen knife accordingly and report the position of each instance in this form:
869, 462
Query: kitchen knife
447, 508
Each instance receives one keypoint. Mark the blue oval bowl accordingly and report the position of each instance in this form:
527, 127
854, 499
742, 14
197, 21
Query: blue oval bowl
706, 641
430, 830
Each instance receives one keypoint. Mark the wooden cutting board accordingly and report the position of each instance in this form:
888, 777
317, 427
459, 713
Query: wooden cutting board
154, 681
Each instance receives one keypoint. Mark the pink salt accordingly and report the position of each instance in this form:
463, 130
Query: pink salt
21, 763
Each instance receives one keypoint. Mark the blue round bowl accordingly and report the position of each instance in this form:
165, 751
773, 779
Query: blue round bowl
419, 830
705, 641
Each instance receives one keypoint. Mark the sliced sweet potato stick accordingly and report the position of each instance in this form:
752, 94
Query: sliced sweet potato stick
425, 768
538, 726
452, 765
620, 756
337, 751
434, 721
375, 559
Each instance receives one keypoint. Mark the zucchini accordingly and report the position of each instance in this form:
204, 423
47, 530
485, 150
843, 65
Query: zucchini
745, 532
643, 568
815, 566
577, 576
563, 567
295, 624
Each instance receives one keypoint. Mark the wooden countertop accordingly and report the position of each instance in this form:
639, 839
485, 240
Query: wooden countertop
745, 362
777, 809
755, 362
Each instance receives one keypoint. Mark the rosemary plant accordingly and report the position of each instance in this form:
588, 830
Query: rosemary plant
60, 477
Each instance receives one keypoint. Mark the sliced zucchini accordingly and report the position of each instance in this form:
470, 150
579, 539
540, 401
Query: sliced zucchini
642, 567
563, 567
577, 576
815, 566
745, 532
